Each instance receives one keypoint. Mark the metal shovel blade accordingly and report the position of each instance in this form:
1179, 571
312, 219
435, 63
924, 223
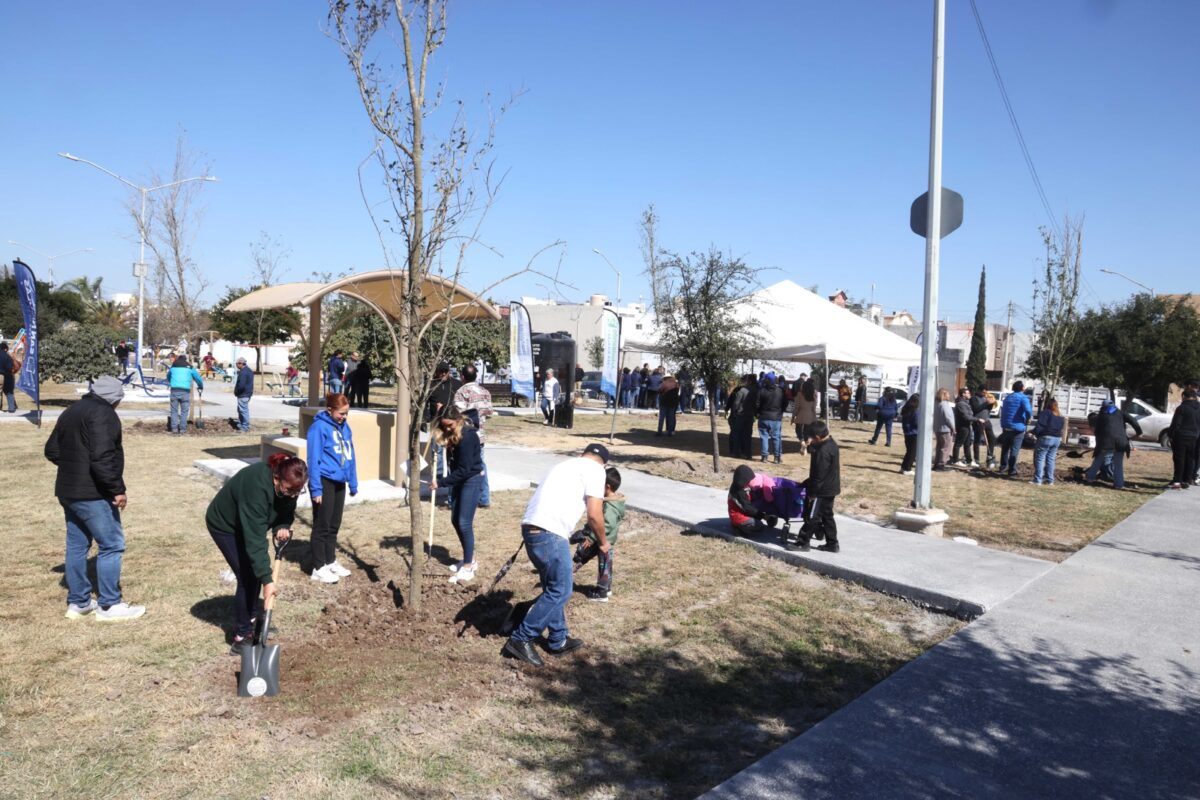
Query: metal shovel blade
260, 671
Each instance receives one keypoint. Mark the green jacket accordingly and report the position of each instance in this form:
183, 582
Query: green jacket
614, 512
248, 507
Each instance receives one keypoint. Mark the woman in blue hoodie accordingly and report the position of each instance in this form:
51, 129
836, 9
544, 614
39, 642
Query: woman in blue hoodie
331, 468
465, 481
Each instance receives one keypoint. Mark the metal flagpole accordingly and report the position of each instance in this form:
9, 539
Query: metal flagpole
921, 488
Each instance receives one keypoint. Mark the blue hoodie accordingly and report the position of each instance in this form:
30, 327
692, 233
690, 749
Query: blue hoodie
1015, 411
182, 377
330, 454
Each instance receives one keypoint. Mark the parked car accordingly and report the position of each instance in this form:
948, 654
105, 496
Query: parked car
871, 409
1154, 423
590, 385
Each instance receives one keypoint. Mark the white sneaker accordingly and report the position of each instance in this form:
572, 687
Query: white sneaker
119, 613
456, 566
79, 612
324, 575
465, 573
337, 569
974, 465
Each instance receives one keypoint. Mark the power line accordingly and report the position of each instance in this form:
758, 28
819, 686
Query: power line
1012, 117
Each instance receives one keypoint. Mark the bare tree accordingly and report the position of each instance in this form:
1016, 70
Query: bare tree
173, 215
648, 233
438, 189
696, 319
1056, 304
268, 254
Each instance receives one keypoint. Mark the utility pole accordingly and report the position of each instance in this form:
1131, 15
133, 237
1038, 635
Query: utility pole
1007, 348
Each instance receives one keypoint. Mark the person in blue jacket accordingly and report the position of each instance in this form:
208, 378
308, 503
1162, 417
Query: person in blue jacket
465, 481
243, 390
180, 378
1015, 413
331, 469
886, 415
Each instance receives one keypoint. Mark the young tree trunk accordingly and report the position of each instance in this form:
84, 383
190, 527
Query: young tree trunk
716, 439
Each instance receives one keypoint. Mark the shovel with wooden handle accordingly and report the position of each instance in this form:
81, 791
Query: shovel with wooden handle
260, 662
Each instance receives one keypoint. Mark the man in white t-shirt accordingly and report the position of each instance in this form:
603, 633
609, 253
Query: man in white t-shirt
550, 392
568, 491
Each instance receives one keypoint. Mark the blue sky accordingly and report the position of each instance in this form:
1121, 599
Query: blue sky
793, 134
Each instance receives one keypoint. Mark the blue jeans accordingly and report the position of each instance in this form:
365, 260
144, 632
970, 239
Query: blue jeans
243, 404
98, 521
485, 492
1011, 441
1044, 457
1101, 459
11, 399
181, 402
884, 423
770, 433
335, 386
666, 415
464, 499
547, 409
551, 556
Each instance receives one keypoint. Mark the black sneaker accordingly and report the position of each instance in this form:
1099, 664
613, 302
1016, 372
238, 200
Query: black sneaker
239, 645
830, 548
522, 651
569, 646
599, 596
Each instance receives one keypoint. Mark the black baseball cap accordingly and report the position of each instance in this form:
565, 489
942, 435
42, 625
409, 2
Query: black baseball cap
597, 450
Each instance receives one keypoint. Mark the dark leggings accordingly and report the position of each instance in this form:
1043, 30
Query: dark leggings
963, 436
1184, 453
910, 452
327, 520
245, 599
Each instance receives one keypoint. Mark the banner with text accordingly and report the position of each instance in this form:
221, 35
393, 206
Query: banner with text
520, 350
612, 352
27, 378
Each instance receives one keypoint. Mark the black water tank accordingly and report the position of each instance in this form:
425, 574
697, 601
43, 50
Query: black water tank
556, 351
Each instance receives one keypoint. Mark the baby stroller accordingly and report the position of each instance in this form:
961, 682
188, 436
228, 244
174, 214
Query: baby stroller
780, 498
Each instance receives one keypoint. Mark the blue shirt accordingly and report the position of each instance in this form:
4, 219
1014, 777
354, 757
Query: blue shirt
182, 377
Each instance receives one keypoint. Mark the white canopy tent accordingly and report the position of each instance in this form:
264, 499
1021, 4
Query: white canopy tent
798, 325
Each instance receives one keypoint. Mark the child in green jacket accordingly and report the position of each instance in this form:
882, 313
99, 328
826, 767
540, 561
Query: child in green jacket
589, 544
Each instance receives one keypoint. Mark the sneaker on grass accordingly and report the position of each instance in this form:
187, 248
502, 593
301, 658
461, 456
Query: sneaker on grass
79, 612
119, 612
599, 596
324, 575
337, 569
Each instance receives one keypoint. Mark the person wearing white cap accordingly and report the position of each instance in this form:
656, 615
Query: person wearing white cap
85, 445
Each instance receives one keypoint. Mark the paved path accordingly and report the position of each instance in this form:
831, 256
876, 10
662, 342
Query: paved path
1086, 684
940, 573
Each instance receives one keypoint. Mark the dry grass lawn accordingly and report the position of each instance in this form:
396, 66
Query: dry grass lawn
708, 657
1048, 522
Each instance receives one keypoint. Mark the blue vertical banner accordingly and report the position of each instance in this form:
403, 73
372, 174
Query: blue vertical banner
611, 335
27, 378
520, 350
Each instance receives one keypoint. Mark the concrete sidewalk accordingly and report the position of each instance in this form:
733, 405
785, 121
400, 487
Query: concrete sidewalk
939, 573
1086, 684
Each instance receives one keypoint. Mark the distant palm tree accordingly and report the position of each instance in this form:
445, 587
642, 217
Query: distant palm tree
90, 292
111, 315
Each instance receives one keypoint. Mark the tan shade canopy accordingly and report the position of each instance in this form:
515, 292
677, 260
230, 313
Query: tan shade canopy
380, 288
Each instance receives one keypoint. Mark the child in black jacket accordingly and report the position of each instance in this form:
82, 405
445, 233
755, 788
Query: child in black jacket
823, 484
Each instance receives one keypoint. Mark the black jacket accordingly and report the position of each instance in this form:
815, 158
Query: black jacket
737, 405
824, 469
1110, 429
85, 445
1186, 422
440, 398
981, 409
770, 402
963, 413
466, 460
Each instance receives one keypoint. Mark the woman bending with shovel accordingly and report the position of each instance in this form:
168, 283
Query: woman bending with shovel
465, 481
253, 503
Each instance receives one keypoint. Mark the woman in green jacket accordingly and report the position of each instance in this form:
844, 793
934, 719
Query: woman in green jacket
259, 499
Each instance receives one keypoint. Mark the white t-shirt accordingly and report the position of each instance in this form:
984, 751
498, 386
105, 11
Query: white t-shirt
550, 388
559, 501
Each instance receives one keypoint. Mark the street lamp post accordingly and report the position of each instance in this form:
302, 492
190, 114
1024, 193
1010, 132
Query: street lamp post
1126, 277
49, 258
614, 269
139, 269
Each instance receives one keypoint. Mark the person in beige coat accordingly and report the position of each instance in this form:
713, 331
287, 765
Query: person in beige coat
804, 412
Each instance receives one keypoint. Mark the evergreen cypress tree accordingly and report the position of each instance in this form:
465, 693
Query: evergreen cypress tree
977, 360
